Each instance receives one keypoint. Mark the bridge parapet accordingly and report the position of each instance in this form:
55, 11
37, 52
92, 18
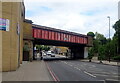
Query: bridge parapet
90, 41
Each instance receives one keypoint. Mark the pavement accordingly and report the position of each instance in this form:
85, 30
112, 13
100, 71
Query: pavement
29, 71
103, 62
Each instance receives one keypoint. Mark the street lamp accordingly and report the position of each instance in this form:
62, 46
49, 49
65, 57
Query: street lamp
109, 37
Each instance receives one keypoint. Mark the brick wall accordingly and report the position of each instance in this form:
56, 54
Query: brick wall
11, 45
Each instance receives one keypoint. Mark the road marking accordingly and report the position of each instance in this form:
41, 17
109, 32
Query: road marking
52, 73
75, 67
65, 62
93, 65
71, 65
89, 74
106, 75
115, 73
111, 80
96, 72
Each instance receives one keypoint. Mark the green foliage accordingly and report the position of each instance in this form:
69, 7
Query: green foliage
91, 34
95, 45
42, 47
116, 26
90, 53
26, 47
101, 53
39, 47
105, 48
116, 58
46, 48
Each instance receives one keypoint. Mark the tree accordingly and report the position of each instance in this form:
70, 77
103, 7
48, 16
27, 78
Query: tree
116, 26
90, 53
91, 34
91, 50
39, 47
99, 40
46, 48
99, 37
101, 53
42, 47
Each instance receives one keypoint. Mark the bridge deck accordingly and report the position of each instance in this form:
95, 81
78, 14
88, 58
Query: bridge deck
48, 33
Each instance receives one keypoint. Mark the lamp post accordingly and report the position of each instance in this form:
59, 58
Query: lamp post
109, 37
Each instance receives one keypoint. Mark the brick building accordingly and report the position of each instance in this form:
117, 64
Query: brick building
11, 40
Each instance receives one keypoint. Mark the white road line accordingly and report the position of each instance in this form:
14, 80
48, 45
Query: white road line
111, 80
99, 72
106, 75
115, 73
65, 62
75, 67
70, 65
78, 68
89, 74
93, 65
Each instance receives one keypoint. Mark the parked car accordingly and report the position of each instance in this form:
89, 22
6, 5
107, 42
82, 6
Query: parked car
50, 53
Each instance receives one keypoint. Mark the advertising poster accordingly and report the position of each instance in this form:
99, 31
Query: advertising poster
4, 24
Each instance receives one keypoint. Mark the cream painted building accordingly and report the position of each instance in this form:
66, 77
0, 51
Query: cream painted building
11, 40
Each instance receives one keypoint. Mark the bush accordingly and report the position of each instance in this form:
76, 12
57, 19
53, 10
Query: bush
26, 48
116, 58
90, 53
101, 52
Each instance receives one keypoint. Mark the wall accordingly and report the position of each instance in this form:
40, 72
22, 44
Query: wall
0, 41
86, 52
27, 36
11, 42
0, 46
27, 30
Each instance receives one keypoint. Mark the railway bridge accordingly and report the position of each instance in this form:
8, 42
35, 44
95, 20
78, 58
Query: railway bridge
43, 35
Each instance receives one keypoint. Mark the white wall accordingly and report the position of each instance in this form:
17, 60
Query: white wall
85, 52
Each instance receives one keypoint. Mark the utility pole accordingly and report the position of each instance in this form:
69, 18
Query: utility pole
109, 37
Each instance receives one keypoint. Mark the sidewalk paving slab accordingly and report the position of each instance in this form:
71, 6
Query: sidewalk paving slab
28, 71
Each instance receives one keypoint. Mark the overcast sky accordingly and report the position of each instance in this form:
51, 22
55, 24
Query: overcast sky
79, 16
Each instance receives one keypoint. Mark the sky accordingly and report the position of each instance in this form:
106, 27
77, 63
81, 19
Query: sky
80, 16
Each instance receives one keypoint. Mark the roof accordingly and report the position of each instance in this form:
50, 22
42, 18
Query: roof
28, 21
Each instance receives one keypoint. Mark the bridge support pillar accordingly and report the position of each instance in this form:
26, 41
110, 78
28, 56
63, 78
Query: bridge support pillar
85, 52
77, 52
33, 51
